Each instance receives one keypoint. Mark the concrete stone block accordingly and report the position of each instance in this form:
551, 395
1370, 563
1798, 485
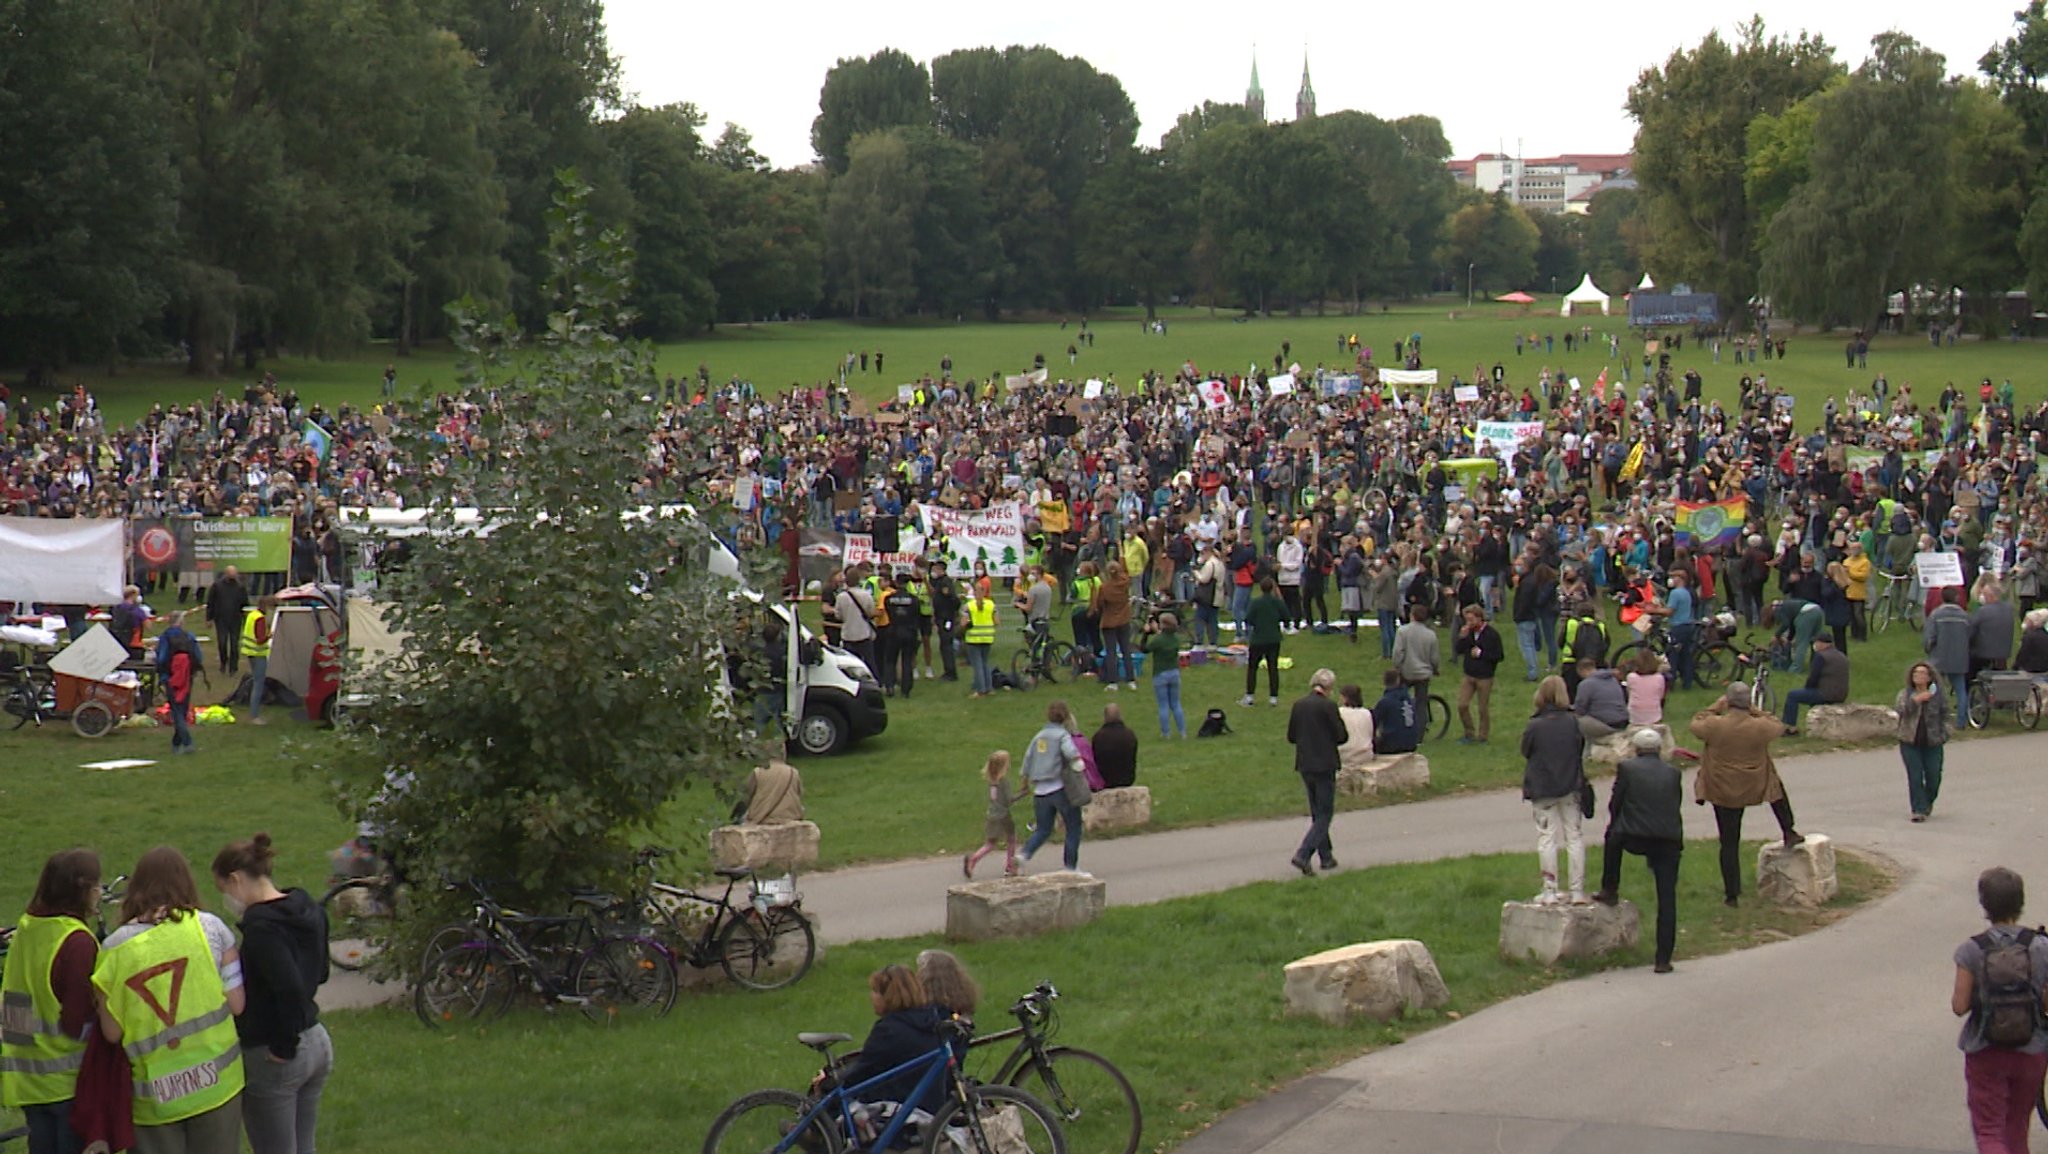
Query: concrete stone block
1393, 773
1023, 906
1547, 934
1853, 721
767, 848
1379, 980
1128, 807
1612, 751
1802, 875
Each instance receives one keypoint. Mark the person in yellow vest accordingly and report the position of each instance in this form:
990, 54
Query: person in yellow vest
169, 985
978, 625
256, 625
46, 1002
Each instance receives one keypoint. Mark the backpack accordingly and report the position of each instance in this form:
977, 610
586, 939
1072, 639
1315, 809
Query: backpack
1214, 725
2008, 1004
1902, 524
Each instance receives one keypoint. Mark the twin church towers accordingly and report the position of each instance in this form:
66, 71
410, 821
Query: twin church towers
1304, 101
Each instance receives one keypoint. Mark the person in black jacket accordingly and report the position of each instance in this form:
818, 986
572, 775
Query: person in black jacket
286, 1051
1644, 817
1315, 729
1479, 651
906, 1027
226, 601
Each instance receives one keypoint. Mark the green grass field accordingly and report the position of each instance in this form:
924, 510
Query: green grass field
1455, 339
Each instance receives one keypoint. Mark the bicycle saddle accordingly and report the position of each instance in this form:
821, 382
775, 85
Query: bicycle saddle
734, 872
820, 1042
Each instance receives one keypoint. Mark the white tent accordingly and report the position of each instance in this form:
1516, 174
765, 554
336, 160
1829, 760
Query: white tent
1586, 294
1647, 285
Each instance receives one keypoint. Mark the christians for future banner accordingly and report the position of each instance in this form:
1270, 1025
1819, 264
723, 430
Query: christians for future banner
251, 544
993, 536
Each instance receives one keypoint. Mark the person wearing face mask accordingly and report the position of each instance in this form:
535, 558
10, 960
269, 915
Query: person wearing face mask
284, 962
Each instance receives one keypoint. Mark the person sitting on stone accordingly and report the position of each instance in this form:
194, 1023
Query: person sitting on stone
1827, 683
1600, 703
1644, 817
773, 794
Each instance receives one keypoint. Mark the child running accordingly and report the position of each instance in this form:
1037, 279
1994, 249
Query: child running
998, 824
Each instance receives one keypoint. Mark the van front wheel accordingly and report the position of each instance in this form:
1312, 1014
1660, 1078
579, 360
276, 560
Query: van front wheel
822, 732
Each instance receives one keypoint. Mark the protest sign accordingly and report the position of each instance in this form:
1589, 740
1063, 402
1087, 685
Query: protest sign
1465, 394
1506, 437
1343, 384
993, 536
1053, 516
1408, 376
1092, 389
906, 394
1215, 394
1281, 385
1937, 570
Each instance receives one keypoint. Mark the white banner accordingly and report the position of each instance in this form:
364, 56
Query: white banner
1281, 385
1465, 394
1506, 437
1215, 394
993, 536
1408, 376
70, 561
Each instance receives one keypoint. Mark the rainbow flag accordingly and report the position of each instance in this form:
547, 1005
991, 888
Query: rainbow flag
1710, 526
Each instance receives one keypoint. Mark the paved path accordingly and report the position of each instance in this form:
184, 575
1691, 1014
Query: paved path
1838, 1042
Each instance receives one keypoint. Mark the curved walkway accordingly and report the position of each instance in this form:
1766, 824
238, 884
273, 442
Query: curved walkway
1838, 1042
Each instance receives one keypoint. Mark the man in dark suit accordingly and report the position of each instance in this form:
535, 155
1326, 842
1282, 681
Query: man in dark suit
1315, 729
225, 603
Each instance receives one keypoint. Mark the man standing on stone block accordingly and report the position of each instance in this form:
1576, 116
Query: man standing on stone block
1643, 817
1736, 772
1315, 729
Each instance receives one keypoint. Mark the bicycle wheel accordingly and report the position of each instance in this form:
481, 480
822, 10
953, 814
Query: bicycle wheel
1092, 1099
994, 1120
1881, 613
1059, 658
1439, 718
1711, 664
465, 982
1980, 705
627, 974
767, 951
766, 1122
1764, 698
358, 921
1622, 657
1021, 671
2030, 710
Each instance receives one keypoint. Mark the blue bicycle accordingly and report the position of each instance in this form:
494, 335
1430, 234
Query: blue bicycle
974, 1119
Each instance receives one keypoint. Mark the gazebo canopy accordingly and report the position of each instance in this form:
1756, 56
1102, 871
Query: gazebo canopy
1516, 298
1587, 293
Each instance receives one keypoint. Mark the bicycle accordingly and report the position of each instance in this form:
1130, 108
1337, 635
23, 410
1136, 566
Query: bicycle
763, 943
974, 1118
1895, 601
1092, 1099
1994, 689
361, 911
564, 959
1043, 658
1432, 713
1758, 660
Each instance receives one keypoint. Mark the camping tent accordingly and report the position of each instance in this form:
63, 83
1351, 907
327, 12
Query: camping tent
1586, 294
1647, 284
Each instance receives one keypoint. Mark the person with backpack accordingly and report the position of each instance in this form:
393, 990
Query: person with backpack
178, 664
2000, 978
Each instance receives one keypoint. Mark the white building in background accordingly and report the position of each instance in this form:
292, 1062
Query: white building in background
1548, 183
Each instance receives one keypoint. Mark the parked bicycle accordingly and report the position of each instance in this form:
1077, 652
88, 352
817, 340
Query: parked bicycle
762, 942
1044, 658
1756, 662
564, 960
1893, 600
1093, 1100
974, 1118
1432, 713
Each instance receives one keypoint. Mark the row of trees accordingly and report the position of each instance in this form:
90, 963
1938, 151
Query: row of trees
1768, 170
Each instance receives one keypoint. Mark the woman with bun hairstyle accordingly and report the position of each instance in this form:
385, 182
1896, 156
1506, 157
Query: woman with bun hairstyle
284, 961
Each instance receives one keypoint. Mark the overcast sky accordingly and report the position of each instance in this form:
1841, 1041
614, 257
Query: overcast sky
1544, 76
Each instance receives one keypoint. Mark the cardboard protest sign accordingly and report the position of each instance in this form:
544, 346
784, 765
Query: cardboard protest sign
993, 536
1281, 385
1465, 394
1092, 389
1938, 570
1215, 394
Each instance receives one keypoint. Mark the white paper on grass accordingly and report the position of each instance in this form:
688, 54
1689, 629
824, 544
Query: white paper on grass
118, 763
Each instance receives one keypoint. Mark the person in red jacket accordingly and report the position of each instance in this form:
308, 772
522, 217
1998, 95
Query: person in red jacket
177, 661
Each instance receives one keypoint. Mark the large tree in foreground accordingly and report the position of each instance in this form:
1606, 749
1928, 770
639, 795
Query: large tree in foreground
561, 676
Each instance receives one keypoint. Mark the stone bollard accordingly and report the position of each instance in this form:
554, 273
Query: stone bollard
1022, 907
1548, 934
1393, 773
1379, 980
1127, 807
781, 848
1612, 751
1802, 875
1853, 721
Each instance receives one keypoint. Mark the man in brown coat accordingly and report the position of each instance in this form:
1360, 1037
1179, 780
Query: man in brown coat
773, 794
1736, 772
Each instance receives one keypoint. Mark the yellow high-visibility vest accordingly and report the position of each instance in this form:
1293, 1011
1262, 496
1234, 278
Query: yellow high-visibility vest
981, 623
250, 646
163, 988
38, 1062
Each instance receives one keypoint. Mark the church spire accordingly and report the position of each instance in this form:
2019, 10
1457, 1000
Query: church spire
1305, 100
1255, 96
